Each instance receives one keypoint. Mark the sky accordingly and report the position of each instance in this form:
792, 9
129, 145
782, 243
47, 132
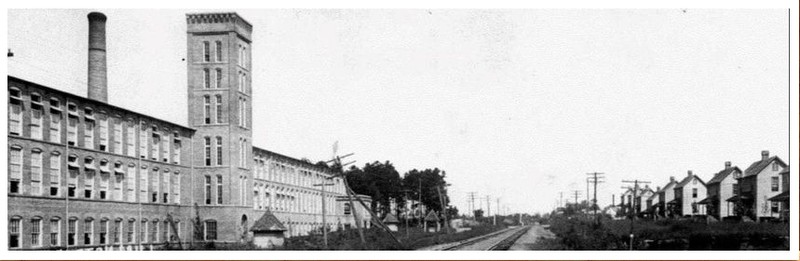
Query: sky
514, 104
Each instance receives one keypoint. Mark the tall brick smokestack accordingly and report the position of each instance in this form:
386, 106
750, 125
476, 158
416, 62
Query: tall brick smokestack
98, 81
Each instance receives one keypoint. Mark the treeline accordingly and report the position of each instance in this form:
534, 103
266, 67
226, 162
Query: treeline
382, 182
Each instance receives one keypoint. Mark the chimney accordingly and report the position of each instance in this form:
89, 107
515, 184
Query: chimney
98, 80
658, 188
671, 178
727, 164
613, 200
689, 174
764, 154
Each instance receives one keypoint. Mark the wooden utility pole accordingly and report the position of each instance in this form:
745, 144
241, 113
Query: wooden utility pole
324, 222
635, 188
595, 177
444, 210
472, 204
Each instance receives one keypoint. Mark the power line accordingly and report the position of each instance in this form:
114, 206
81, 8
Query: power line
634, 209
595, 177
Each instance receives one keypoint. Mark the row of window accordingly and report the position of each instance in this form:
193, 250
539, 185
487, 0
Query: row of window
219, 53
291, 200
91, 232
212, 79
279, 172
162, 185
112, 134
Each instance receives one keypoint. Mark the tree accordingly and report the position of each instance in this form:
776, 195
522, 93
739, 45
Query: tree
381, 181
426, 182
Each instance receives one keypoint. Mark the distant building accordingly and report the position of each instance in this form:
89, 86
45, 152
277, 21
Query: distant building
719, 189
666, 197
783, 198
760, 182
86, 174
653, 203
688, 194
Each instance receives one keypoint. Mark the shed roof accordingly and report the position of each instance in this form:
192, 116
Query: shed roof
268, 222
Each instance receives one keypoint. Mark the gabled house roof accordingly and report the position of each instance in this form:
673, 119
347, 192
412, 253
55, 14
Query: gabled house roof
670, 183
722, 174
268, 222
390, 219
688, 179
758, 166
432, 216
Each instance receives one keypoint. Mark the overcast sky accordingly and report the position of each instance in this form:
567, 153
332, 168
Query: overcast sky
513, 104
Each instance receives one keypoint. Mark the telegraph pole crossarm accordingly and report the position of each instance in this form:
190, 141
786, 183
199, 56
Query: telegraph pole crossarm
635, 188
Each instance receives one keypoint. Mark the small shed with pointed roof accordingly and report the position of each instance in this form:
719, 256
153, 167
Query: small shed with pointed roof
391, 222
432, 222
268, 231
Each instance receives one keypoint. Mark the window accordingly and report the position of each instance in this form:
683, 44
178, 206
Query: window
55, 127
130, 139
72, 131
130, 183
15, 112
55, 231
775, 183
15, 169
103, 232
735, 189
165, 185
36, 172
117, 136
775, 206
104, 176
143, 184
153, 231
206, 78
176, 150
219, 78
219, 189
208, 150
72, 175
14, 232
142, 231
775, 166
89, 179
72, 226
165, 232
694, 193
154, 185
143, 141
103, 128
88, 231
219, 151
165, 151
116, 231
129, 231
176, 188
210, 230
88, 135
55, 105
347, 208
208, 190
36, 122
36, 232
219, 50
218, 110
156, 145
206, 52
118, 182
207, 109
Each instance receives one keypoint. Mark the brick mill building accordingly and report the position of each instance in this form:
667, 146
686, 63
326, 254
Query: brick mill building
85, 174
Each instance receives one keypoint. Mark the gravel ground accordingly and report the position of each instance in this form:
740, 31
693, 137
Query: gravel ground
526, 241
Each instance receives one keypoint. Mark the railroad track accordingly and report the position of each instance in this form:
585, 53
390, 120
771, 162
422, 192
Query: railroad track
500, 240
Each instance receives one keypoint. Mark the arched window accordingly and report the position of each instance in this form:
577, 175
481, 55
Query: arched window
15, 111
72, 231
88, 231
15, 169
219, 151
36, 172
218, 110
207, 195
55, 231
206, 78
207, 109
